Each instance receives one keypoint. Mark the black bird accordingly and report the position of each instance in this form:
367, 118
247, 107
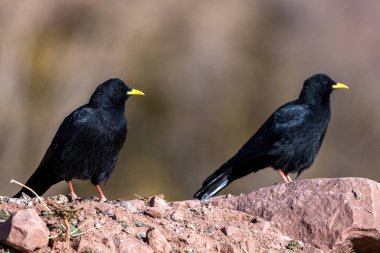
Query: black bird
288, 141
87, 143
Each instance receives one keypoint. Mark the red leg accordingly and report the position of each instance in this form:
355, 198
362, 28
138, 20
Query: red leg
289, 178
284, 176
101, 195
72, 193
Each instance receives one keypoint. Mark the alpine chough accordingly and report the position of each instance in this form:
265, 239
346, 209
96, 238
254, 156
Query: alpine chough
288, 141
87, 143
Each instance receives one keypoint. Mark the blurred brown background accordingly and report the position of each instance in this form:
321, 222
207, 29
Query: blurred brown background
213, 71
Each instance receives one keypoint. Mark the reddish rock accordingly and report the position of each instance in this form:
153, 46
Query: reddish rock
187, 203
262, 227
88, 244
25, 231
157, 241
230, 231
308, 216
155, 212
331, 214
227, 248
133, 205
132, 246
157, 201
251, 247
177, 216
45, 249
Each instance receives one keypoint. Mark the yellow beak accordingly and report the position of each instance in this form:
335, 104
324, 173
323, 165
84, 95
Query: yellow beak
135, 92
340, 86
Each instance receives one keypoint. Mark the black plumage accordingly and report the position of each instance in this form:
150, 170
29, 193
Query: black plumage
87, 143
288, 141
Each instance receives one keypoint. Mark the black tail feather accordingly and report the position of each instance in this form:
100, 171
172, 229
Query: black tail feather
215, 183
38, 182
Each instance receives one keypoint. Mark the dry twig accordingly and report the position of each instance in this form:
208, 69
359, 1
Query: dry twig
30, 189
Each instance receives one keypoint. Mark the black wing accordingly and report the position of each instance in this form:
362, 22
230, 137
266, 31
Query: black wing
73, 126
48, 171
276, 132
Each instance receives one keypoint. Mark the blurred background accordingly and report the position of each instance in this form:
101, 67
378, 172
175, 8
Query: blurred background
213, 72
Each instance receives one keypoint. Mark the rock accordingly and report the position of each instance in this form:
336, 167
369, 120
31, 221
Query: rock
25, 231
262, 227
17, 201
308, 216
109, 243
187, 203
105, 209
129, 206
122, 215
141, 235
59, 199
132, 246
4, 199
250, 246
87, 244
230, 230
337, 215
45, 249
136, 204
227, 248
191, 226
157, 201
157, 241
177, 216
155, 212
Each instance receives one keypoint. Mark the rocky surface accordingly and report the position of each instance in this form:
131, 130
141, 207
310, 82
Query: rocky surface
24, 231
337, 214
319, 215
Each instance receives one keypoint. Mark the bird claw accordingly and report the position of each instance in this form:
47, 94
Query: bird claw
285, 177
102, 199
73, 196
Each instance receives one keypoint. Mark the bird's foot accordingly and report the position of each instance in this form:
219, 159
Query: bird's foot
102, 197
284, 176
73, 196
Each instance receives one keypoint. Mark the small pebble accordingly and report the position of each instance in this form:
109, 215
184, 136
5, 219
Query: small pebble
157, 201
128, 206
176, 216
191, 226
5, 199
141, 235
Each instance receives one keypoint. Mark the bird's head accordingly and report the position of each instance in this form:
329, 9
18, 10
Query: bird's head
112, 93
318, 88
